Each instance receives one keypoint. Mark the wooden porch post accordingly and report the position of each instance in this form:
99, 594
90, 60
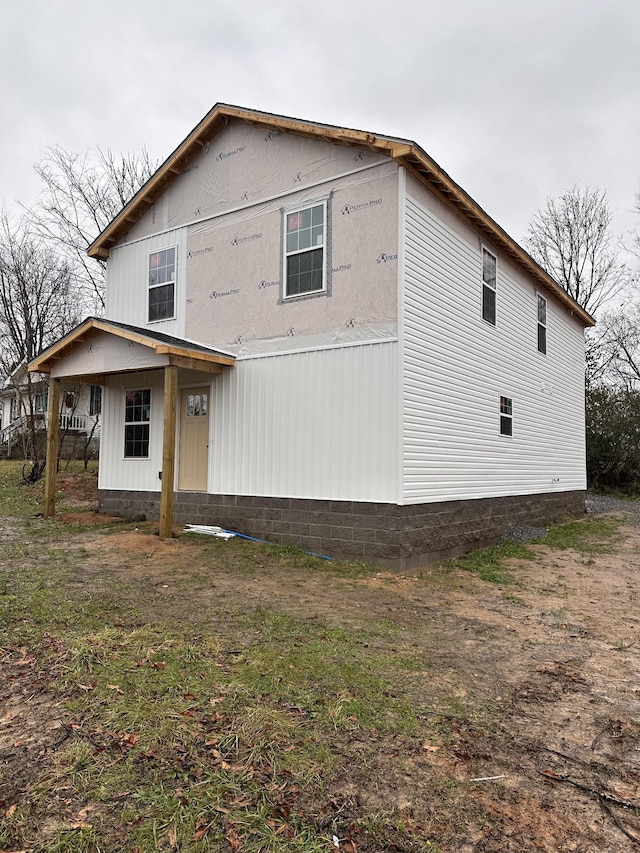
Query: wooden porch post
168, 450
53, 417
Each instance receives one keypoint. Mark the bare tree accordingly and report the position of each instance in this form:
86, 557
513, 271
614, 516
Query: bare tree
635, 234
81, 195
571, 239
38, 304
619, 342
38, 295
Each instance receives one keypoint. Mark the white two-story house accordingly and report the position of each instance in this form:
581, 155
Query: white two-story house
314, 335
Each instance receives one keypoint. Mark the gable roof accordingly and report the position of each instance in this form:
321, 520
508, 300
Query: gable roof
404, 151
181, 351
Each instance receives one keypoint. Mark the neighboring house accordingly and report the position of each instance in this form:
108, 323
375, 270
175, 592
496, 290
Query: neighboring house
363, 362
24, 402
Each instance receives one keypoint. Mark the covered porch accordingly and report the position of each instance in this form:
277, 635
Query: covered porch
99, 350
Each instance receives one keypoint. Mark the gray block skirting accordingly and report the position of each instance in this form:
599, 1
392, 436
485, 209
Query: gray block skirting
391, 536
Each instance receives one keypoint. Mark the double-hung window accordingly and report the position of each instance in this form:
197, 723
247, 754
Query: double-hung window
137, 411
162, 284
506, 416
542, 324
305, 251
489, 283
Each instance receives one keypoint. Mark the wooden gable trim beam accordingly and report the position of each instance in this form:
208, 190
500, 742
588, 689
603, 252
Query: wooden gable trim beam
159, 347
90, 327
41, 363
155, 186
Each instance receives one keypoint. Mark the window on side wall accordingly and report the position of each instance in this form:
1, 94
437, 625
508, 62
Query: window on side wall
137, 412
304, 249
506, 416
542, 324
95, 400
489, 284
41, 401
162, 284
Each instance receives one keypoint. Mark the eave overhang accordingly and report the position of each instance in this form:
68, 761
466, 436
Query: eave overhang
405, 152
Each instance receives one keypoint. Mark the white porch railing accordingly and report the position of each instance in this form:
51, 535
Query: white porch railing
70, 423
77, 423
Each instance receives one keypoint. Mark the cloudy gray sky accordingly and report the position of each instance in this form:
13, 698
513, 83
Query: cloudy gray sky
516, 100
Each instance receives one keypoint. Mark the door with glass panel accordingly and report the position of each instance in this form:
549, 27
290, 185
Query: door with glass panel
194, 440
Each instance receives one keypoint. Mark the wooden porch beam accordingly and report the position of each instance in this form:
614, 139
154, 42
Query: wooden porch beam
53, 418
195, 364
168, 450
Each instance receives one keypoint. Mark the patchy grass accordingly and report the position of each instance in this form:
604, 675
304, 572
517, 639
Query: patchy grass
236, 696
177, 736
252, 558
17, 498
201, 744
587, 536
489, 563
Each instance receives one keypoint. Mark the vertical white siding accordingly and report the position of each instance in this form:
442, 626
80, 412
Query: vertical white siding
127, 292
115, 471
318, 424
456, 366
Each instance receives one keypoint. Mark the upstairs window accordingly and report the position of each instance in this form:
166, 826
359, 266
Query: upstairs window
304, 251
488, 287
506, 416
542, 324
162, 283
137, 412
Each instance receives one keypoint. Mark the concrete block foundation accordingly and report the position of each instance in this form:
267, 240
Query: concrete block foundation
387, 535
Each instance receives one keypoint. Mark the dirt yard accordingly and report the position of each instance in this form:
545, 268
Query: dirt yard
535, 686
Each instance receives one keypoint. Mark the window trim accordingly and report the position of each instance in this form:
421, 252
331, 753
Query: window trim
505, 407
160, 284
286, 254
127, 423
542, 325
487, 288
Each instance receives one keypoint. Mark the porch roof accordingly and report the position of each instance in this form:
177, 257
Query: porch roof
77, 355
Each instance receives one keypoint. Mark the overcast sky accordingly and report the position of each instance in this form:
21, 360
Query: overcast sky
516, 100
